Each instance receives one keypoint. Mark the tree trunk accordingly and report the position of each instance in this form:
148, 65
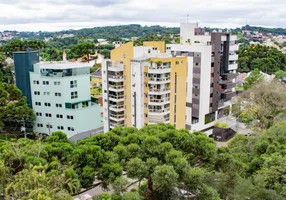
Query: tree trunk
150, 189
87, 57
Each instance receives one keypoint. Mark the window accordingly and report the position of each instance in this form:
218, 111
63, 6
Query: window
57, 83
38, 103
74, 95
59, 116
48, 115
70, 129
38, 113
36, 82
47, 93
48, 104
60, 127
73, 84
46, 83
74, 106
37, 93
39, 125
57, 94
69, 116
49, 126
58, 105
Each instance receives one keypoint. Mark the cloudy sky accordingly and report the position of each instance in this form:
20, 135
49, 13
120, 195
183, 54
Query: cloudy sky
51, 15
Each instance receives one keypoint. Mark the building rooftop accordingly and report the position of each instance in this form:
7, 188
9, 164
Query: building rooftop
63, 65
97, 73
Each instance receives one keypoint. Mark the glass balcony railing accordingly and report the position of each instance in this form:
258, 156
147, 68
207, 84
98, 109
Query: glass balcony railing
117, 87
159, 100
159, 90
159, 79
116, 96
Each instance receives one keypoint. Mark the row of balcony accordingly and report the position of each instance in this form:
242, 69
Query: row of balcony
155, 80
165, 110
117, 108
159, 90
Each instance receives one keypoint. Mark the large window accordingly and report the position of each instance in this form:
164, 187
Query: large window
57, 94
46, 83
73, 84
74, 95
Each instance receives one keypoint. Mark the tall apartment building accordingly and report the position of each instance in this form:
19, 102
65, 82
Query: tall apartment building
60, 97
190, 85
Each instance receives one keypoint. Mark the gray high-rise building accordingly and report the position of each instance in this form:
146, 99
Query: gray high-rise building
23, 62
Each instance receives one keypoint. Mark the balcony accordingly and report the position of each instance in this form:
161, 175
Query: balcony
228, 76
156, 91
233, 48
116, 88
116, 78
233, 57
158, 119
159, 69
162, 80
228, 85
117, 108
159, 101
232, 66
116, 98
117, 117
115, 124
159, 111
227, 95
115, 66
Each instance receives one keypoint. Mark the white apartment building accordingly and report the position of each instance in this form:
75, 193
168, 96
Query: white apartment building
61, 100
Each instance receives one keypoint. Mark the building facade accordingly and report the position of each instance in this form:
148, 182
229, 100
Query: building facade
23, 62
190, 85
61, 100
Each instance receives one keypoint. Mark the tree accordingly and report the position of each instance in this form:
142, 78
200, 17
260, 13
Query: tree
6, 74
263, 102
13, 108
120, 185
87, 177
254, 77
265, 59
131, 196
32, 183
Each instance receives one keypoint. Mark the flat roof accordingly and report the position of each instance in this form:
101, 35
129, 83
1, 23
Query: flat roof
26, 51
63, 65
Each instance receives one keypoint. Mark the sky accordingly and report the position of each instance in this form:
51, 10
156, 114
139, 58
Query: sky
56, 15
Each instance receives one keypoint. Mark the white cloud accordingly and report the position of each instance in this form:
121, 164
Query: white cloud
49, 15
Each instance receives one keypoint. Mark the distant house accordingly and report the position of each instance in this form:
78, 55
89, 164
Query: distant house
96, 78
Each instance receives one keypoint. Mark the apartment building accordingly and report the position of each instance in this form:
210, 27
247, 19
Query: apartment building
213, 73
60, 97
190, 85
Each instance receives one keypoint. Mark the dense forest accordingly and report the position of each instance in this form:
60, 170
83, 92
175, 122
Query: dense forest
266, 59
163, 159
113, 33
